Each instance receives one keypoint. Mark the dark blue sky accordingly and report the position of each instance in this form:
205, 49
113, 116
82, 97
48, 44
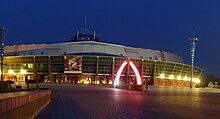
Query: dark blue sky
156, 24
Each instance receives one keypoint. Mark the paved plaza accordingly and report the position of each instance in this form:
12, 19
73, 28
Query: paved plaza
75, 101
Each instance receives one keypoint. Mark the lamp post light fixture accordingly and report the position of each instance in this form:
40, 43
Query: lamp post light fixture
192, 51
11, 72
2, 30
23, 72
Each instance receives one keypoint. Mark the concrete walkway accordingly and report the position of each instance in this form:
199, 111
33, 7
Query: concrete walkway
71, 101
62, 107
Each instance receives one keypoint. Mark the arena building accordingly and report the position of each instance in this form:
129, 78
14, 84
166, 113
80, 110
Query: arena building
84, 59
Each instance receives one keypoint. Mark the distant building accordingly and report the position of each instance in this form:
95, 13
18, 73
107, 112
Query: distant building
210, 85
85, 59
213, 85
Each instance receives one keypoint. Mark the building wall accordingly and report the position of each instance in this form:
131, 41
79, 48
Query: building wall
52, 68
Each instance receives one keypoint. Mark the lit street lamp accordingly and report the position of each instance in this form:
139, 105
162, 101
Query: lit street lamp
192, 50
10, 72
23, 72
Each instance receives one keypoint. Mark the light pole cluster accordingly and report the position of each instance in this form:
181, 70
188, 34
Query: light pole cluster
192, 51
2, 30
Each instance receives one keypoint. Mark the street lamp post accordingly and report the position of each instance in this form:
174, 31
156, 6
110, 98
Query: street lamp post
2, 30
192, 50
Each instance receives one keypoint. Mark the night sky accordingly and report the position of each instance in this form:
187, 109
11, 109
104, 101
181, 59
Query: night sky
155, 24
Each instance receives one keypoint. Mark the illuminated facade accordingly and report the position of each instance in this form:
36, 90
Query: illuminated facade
85, 60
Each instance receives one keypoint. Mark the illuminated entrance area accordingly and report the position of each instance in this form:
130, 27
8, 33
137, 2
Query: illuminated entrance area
98, 70
21, 75
138, 78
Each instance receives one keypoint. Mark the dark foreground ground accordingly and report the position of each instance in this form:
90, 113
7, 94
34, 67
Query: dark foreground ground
71, 101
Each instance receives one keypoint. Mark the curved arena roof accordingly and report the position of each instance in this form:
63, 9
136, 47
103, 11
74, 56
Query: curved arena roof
90, 48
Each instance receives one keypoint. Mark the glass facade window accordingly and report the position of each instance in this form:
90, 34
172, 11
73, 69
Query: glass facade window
42, 66
57, 64
28, 65
105, 65
89, 64
148, 67
137, 63
18, 63
118, 63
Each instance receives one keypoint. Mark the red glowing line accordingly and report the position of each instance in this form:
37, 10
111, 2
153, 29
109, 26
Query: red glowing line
116, 82
138, 77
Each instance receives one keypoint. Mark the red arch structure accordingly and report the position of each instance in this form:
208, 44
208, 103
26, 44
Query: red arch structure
137, 74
